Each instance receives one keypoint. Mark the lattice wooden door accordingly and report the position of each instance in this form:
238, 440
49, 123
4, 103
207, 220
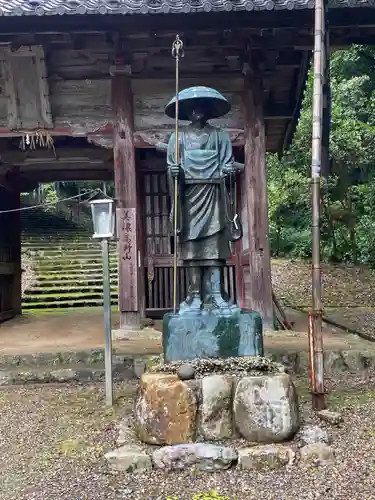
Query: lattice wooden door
159, 248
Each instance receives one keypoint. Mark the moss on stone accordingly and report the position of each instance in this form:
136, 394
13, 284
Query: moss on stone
154, 362
247, 365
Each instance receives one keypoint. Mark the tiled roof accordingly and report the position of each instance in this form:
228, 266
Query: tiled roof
76, 7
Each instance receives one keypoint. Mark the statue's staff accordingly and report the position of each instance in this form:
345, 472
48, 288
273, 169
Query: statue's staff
177, 53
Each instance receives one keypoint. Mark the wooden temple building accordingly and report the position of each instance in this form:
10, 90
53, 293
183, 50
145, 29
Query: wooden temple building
87, 81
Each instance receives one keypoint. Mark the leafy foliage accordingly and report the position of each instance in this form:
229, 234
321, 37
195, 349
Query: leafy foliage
50, 197
348, 199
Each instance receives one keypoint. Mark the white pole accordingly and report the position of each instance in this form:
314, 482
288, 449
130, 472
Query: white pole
107, 325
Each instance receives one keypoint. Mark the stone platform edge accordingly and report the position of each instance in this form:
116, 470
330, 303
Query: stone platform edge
82, 356
71, 367
88, 365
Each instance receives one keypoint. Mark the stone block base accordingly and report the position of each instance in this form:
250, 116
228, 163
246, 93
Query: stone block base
165, 410
207, 334
261, 409
265, 408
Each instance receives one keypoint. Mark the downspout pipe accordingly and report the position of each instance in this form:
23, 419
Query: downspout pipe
315, 333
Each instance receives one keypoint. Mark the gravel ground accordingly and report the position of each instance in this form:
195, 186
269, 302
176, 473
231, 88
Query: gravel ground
348, 291
359, 319
52, 440
343, 285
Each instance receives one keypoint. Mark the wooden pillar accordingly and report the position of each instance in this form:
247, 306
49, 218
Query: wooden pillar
255, 177
11, 233
131, 296
16, 243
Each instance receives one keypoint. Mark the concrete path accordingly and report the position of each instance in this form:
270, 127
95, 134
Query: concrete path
74, 331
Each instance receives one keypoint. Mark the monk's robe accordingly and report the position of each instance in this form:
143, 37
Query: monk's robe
204, 222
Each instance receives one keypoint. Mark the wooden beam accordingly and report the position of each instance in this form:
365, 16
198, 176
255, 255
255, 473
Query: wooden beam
60, 32
128, 211
37, 166
103, 137
144, 86
214, 39
18, 156
260, 286
298, 92
231, 35
213, 54
65, 175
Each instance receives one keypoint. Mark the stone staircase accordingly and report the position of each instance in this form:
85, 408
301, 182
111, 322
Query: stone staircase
66, 263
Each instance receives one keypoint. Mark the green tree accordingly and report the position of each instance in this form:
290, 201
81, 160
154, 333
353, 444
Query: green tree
348, 210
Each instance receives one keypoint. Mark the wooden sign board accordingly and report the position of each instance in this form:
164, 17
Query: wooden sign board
128, 259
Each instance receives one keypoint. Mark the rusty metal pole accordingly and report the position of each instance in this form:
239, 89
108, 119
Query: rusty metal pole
315, 316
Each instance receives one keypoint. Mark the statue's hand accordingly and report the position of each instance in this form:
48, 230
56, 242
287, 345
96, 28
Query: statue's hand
174, 170
239, 167
227, 170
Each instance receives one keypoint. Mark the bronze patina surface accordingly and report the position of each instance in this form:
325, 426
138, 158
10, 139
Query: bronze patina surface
204, 220
206, 324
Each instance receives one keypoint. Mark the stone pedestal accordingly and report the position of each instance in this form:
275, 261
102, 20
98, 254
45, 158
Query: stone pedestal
208, 334
261, 409
197, 422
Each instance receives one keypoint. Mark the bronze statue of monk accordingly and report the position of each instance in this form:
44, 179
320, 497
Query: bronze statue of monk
206, 218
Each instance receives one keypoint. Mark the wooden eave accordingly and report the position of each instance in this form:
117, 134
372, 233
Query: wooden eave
216, 43
212, 57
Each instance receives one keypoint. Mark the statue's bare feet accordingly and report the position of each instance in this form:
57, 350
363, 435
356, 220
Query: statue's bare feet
196, 303
192, 303
225, 307
220, 303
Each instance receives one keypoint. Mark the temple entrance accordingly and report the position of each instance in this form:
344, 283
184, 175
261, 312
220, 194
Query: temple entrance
159, 244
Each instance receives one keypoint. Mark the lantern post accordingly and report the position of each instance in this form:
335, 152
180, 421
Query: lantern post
103, 218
